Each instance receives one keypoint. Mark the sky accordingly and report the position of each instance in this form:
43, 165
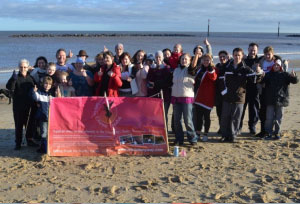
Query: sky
150, 15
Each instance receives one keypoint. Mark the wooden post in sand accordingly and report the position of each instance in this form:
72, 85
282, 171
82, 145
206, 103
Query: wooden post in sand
208, 28
278, 29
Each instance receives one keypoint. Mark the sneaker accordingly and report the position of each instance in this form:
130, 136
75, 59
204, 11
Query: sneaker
268, 137
277, 137
193, 143
205, 138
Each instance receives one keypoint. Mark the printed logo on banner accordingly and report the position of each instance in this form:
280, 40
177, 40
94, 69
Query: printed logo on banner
105, 113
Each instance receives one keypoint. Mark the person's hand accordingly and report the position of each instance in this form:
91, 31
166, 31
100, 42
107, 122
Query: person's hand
14, 75
105, 49
293, 73
35, 88
110, 73
57, 92
70, 83
70, 55
140, 66
206, 42
83, 72
129, 79
100, 73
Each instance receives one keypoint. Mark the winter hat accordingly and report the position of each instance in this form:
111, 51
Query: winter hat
278, 61
79, 60
159, 53
150, 56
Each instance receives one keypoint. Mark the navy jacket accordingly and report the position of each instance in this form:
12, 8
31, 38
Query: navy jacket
277, 87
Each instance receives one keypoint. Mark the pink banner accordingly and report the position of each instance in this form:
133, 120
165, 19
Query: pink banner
91, 126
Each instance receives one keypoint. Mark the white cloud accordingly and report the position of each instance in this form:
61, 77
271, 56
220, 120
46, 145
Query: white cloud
177, 15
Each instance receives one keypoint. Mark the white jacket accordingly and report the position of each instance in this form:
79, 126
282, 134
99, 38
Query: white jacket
183, 83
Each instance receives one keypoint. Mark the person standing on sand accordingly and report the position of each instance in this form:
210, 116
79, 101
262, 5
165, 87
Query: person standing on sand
221, 67
82, 80
236, 76
199, 52
252, 96
109, 77
183, 99
61, 64
119, 49
277, 96
205, 91
21, 84
174, 60
266, 63
139, 72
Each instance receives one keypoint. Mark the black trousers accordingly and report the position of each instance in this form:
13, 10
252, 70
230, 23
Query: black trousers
201, 115
21, 117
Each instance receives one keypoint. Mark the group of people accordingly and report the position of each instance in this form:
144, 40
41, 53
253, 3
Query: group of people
192, 84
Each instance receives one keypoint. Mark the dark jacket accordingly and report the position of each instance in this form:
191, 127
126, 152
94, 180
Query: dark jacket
21, 88
43, 99
235, 82
277, 87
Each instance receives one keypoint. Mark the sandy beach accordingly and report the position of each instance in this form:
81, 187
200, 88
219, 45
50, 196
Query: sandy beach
250, 170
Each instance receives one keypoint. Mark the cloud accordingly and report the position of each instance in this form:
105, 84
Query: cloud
167, 15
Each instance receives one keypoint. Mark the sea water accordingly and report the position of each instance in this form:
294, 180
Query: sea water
13, 49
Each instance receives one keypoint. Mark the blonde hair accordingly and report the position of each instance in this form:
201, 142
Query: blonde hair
210, 57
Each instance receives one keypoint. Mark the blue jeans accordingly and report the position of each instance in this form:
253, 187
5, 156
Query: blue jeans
187, 111
273, 118
44, 129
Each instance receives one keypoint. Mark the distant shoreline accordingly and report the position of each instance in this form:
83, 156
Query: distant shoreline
45, 35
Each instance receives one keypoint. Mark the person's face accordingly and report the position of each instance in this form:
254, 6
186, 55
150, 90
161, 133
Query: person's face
269, 56
252, 51
108, 60
100, 61
237, 57
119, 50
51, 70
276, 67
223, 58
206, 61
140, 57
63, 79
159, 59
47, 86
23, 68
167, 54
79, 66
41, 64
83, 58
185, 61
177, 48
61, 58
126, 61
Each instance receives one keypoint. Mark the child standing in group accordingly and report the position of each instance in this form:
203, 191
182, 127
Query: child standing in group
276, 97
42, 96
65, 85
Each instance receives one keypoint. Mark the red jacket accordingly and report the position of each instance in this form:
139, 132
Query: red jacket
205, 95
114, 82
174, 60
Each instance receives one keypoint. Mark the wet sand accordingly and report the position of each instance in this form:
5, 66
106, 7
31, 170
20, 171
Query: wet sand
250, 170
